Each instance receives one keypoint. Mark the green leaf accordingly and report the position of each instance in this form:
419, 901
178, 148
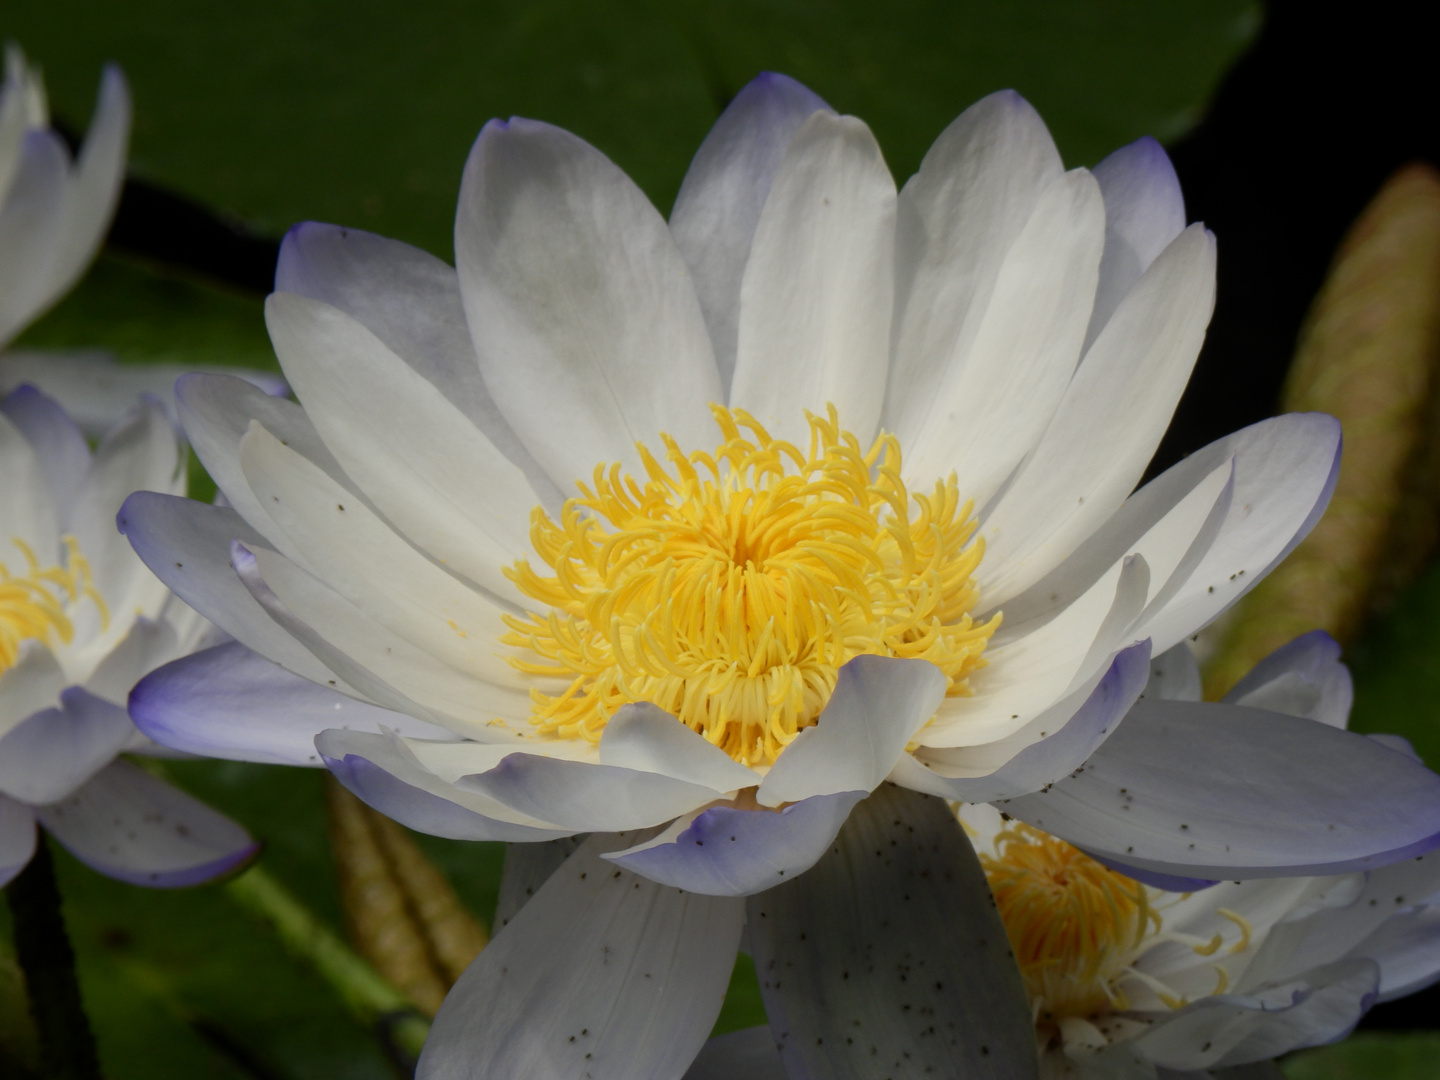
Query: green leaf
362, 113
1369, 1056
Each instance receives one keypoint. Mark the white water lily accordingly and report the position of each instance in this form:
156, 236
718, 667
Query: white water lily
53, 211
81, 619
817, 437
988, 359
54, 214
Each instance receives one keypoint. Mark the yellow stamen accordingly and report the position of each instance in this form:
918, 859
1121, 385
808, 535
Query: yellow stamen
728, 589
1245, 929
1074, 924
34, 605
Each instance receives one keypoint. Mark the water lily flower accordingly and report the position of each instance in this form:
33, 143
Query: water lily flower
826, 436
81, 619
54, 214
1131, 982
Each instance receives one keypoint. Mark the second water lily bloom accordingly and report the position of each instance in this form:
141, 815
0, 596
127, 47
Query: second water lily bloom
81, 619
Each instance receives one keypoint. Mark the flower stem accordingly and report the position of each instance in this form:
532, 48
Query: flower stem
369, 997
67, 1046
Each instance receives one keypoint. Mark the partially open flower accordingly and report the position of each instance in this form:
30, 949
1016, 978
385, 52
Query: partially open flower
81, 619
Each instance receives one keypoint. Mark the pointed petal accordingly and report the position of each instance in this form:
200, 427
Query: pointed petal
1232, 1029
877, 706
410, 300
94, 188
1407, 948
994, 400
25, 504
60, 449
33, 683
579, 304
958, 216
889, 955
17, 838
602, 974
1228, 792
427, 468
816, 299
1058, 741
1174, 675
644, 737
228, 702
186, 544
1107, 425
727, 851
51, 753
130, 826
383, 773
721, 198
1144, 211
31, 225
1303, 678
527, 867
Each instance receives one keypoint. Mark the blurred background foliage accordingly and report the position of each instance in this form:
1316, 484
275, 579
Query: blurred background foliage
251, 117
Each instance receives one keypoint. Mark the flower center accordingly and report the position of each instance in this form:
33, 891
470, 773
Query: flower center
730, 588
1074, 924
33, 604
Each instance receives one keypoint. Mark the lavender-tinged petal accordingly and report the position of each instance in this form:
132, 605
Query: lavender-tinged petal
582, 796
1093, 714
894, 929
724, 191
1407, 948
1153, 878
131, 826
1204, 790
602, 975
1231, 1029
17, 838
878, 705
229, 702
383, 773
643, 736
727, 851
527, 867
60, 448
51, 753
1303, 678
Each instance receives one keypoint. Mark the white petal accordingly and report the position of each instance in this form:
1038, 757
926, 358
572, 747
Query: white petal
1108, 424
97, 391
1285, 471
1144, 211
187, 545
1174, 675
878, 704
410, 300
60, 449
646, 738
359, 556
958, 216
48, 755
888, 957
130, 826
25, 505
527, 867
34, 682
426, 467
602, 975
383, 772
587, 328
94, 188
1303, 678
995, 399
31, 225
148, 644
720, 200
1407, 948
17, 838
818, 289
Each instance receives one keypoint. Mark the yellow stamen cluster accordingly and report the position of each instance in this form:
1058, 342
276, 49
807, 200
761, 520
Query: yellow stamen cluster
33, 605
1074, 924
729, 588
